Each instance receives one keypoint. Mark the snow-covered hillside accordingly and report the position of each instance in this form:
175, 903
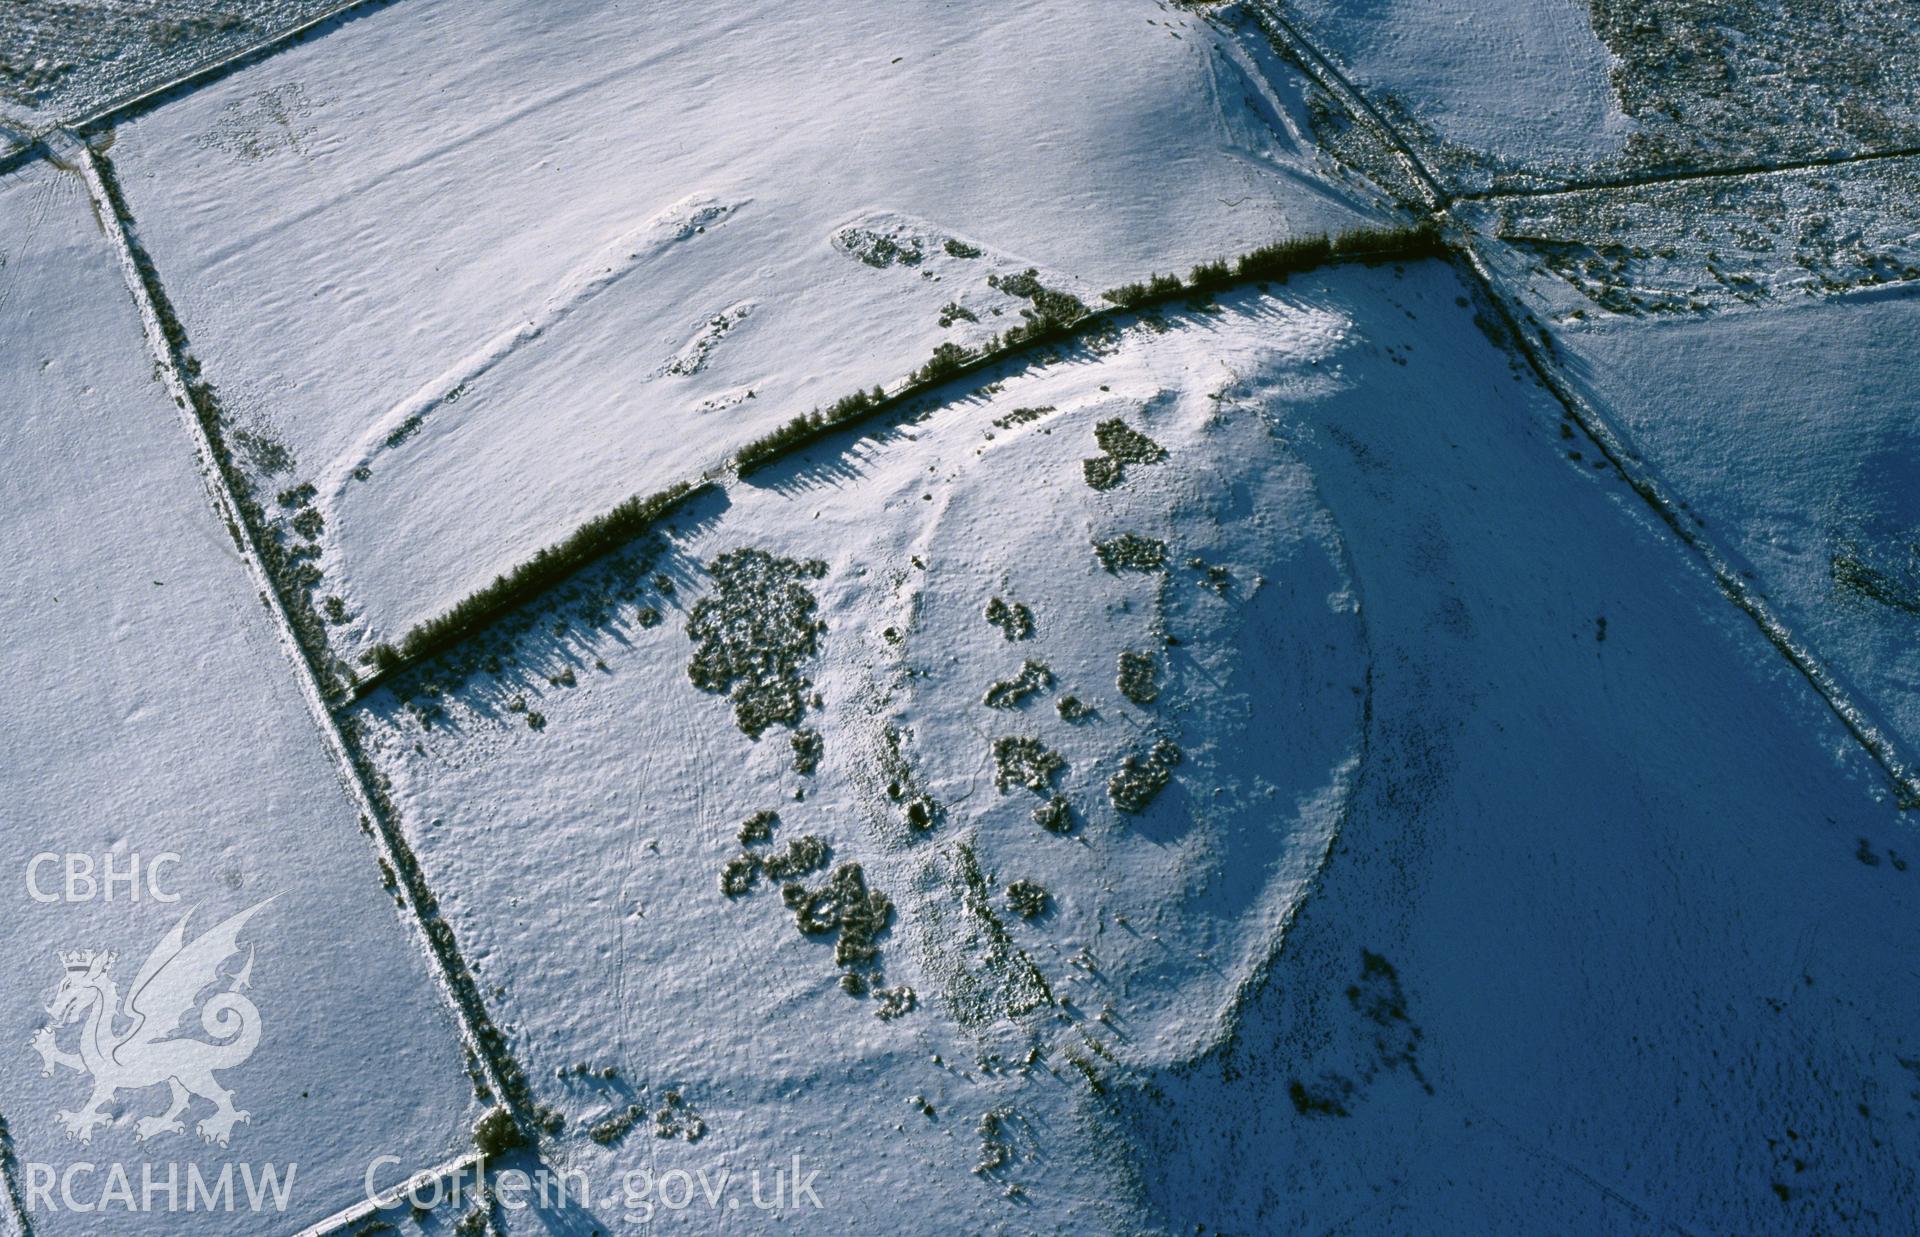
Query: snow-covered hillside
1348, 664
1385, 507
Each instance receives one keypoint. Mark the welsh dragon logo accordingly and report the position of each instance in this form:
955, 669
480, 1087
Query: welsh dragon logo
138, 1045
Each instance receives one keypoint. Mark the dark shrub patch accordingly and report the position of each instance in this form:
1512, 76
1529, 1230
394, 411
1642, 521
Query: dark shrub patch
1026, 761
1011, 693
752, 632
1028, 900
1141, 779
1131, 552
1055, 815
1014, 619
1137, 677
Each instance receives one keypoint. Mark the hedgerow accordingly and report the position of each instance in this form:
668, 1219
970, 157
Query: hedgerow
546, 568
1055, 315
1284, 258
806, 427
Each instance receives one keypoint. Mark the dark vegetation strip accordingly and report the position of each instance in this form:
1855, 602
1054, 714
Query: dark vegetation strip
592, 541
1054, 318
1737, 171
26, 154
10, 1176
204, 402
1057, 317
496, 1076
150, 97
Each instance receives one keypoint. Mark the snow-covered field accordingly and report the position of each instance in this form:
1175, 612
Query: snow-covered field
1812, 486
153, 712
1396, 747
1482, 84
486, 271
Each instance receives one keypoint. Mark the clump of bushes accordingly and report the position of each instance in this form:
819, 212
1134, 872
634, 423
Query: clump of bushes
1102, 472
947, 360
803, 856
758, 827
1142, 778
752, 632
1852, 573
960, 249
1122, 445
1025, 285
1051, 316
893, 1002
1073, 709
677, 1119
1028, 900
996, 1149
807, 747
1020, 416
738, 876
612, 1128
1218, 577
878, 249
1014, 619
1055, 815
1126, 444
1011, 693
1138, 677
844, 904
954, 311
497, 1133
309, 524
1026, 761
1131, 552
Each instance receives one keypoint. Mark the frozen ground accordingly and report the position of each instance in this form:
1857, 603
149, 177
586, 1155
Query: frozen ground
1604, 847
1302, 758
1529, 92
63, 59
480, 298
1812, 487
1689, 248
1749, 338
153, 710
